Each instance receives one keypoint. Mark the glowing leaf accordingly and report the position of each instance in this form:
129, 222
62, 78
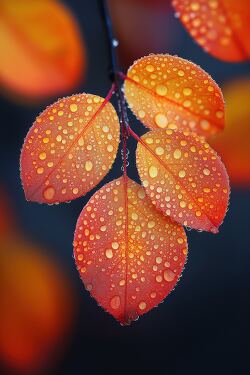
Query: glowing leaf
221, 27
42, 53
184, 178
234, 143
128, 254
69, 149
166, 91
37, 307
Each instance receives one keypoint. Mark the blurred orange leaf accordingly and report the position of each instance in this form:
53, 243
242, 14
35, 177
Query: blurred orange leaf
69, 149
221, 27
234, 143
36, 306
42, 53
166, 91
184, 178
128, 254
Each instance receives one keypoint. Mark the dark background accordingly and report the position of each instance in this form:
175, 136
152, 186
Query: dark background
203, 326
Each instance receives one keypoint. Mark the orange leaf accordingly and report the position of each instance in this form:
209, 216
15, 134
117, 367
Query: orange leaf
166, 91
221, 27
234, 143
69, 149
42, 52
36, 307
128, 254
184, 178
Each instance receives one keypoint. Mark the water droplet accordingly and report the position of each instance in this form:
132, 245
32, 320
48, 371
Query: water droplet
42, 156
206, 171
73, 107
115, 43
40, 170
177, 154
109, 253
168, 275
115, 302
161, 90
88, 165
161, 120
187, 91
49, 193
182, 173
159, 151
150, 68
142, 305
153, 171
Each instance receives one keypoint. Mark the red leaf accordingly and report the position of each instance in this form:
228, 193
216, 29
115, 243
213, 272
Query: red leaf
221, 27
184, 178
42, 52
69, 149
166, 91
37, 307
128, 254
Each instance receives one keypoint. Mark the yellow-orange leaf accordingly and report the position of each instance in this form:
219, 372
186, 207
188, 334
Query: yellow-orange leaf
184, 178
221, 27
42, 52
128, 254
69, 149
166, 91
234, 143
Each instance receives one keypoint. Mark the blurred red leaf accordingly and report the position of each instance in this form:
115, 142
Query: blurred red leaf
150, 34
184, 178
42, 52
69, 149
221, 27
36, 306
234, 143
128, 254
166, 91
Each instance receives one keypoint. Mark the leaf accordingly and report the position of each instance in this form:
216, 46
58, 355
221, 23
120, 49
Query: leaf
42, 52
220, 27
234, 143
129, 255
184, 178
153, 34
37, 307
166, 91
69, 149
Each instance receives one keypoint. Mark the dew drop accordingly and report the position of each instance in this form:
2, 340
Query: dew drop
206, 171
115, 302
150, 68
109, 253
159, 151
187, 91
161, 90
153, 171
177, 154
88, 165
168, 275
73, 107
42, 156
161, 120
142, 305
49, 193
182, 173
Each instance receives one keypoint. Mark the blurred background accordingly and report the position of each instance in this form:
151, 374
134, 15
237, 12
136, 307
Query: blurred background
48, 322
